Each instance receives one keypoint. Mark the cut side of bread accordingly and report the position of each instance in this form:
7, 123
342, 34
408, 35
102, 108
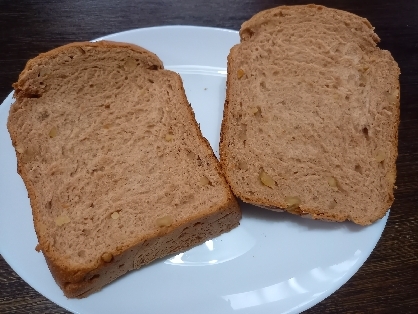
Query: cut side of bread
117, 170
311, 115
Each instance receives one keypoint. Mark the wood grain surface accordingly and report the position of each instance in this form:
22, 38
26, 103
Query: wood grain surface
388, 281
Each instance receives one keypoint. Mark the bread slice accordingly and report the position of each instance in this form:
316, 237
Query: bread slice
117, 170
311, 115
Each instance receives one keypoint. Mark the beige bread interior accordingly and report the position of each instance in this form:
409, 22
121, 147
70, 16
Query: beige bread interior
311, 115
117, 170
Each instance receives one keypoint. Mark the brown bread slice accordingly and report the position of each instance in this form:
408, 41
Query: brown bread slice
311, 115
117, 170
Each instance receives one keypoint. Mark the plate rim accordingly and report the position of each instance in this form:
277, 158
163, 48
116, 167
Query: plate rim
161, 27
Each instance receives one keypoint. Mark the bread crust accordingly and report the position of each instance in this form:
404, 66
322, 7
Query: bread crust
176, 239
83, 280
253, 27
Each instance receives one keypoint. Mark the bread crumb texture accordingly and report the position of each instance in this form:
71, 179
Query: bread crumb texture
312, 113
113, 161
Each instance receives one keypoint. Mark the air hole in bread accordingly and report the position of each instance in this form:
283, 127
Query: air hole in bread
120, 266
91, 85
243, 133
81, 253
44, 115
199, 161
365, 131
33, 96
94, 277
358, 169
151, 81
48, 205
280, 13
263, 85
382, 164
153, 67
86, 232
238, 117
247, 34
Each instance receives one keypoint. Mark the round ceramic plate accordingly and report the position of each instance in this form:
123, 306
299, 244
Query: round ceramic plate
272, 263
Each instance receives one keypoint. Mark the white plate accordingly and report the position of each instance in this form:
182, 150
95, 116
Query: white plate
272, 263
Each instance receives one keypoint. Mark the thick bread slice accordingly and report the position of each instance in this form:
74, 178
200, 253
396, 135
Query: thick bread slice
117, 170
311, 115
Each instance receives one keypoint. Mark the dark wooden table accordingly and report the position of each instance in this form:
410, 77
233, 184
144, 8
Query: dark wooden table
388, 281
